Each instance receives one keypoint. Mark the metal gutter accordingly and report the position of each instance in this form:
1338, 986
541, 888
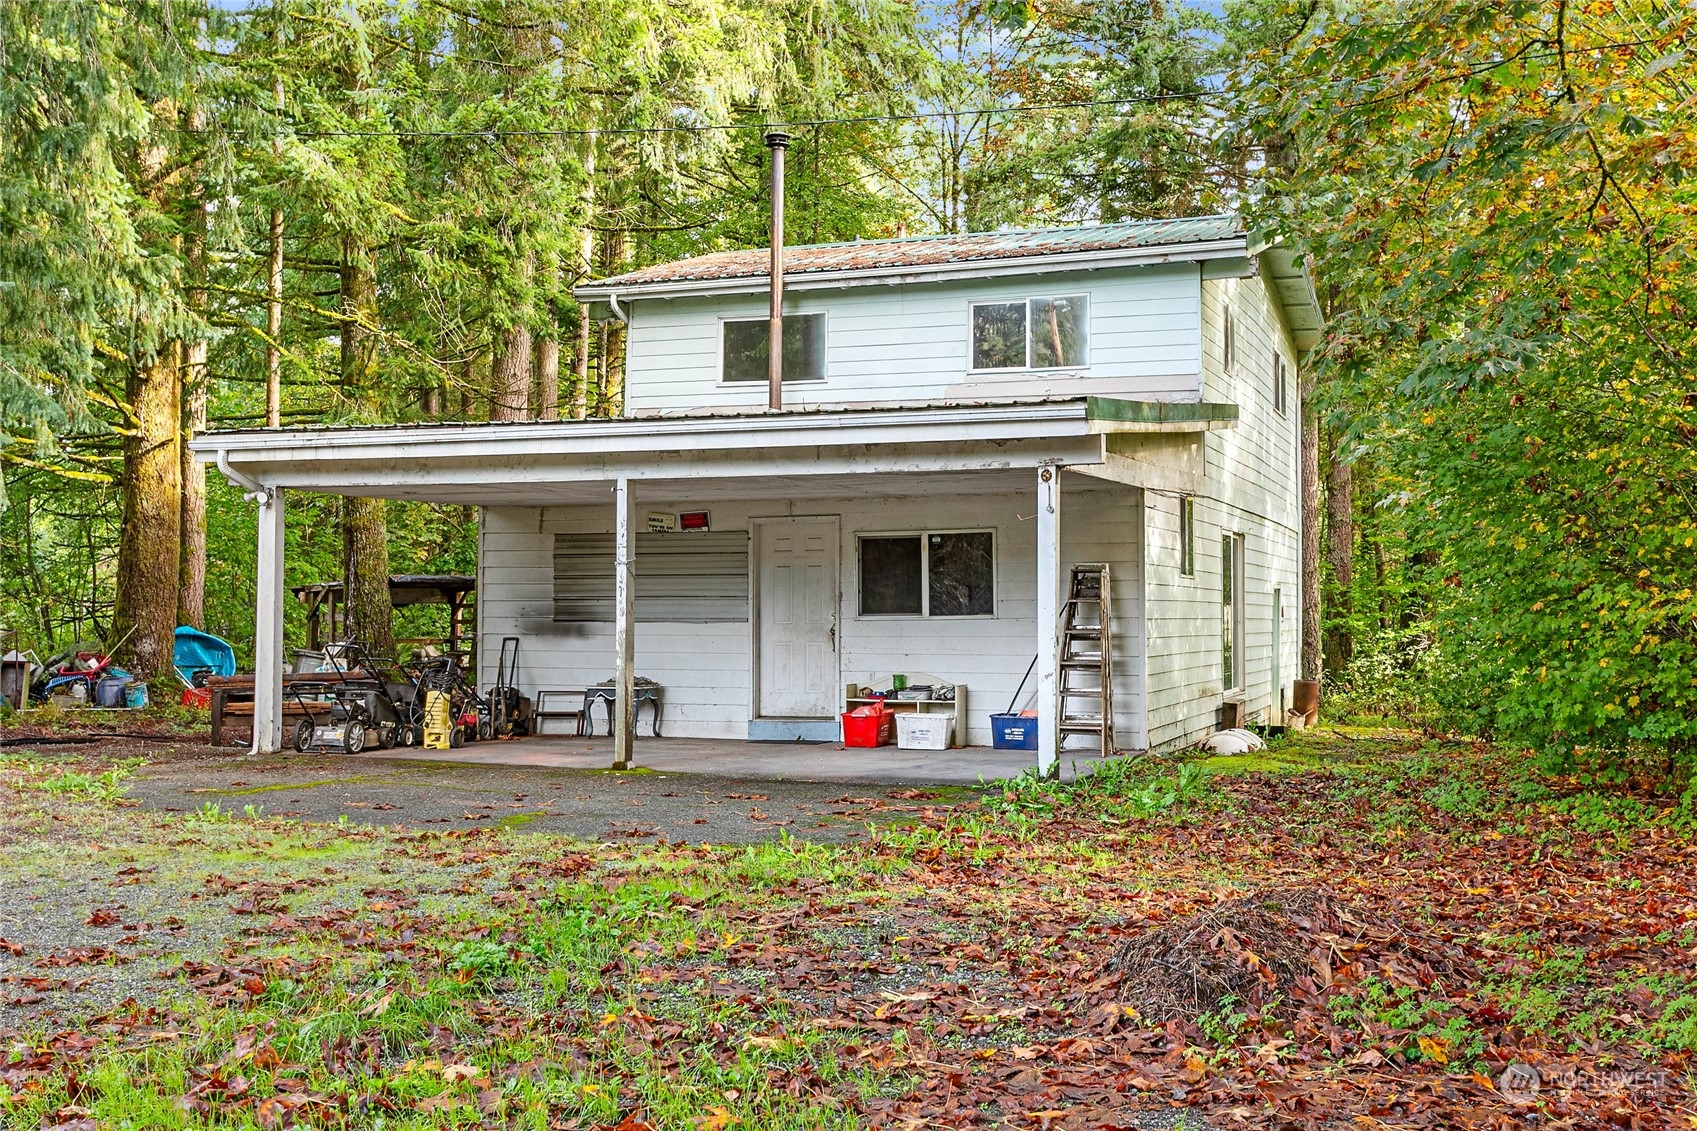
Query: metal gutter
909, 273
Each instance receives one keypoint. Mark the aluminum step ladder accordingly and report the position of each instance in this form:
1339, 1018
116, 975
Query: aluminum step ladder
1087, 658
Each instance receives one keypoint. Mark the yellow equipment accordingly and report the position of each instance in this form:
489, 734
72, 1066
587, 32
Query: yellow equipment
438, 727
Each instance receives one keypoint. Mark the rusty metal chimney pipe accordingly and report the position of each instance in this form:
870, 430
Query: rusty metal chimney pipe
777, 141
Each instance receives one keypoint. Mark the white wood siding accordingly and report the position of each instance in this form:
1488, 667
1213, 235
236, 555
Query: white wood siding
912, 343
1251, 489
706, 669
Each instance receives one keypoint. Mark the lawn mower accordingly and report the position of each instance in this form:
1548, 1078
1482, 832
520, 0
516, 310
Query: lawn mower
353, 706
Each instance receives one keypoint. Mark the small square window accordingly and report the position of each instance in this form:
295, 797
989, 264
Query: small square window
998, 336
747, 348
1057, 332
891, 570
962, 574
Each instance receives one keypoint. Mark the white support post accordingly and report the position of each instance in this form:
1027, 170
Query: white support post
1048, 618
268, 628
624, 627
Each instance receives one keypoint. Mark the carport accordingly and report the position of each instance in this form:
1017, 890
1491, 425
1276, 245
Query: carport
1021, 458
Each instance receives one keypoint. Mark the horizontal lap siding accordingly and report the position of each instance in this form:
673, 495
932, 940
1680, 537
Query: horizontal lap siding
705, 668
1251, 489
912, 342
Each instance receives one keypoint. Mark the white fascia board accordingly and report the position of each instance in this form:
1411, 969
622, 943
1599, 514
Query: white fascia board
1293, 286
653, 435
904, 275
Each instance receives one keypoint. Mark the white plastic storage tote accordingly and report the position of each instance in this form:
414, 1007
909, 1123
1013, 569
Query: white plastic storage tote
924, 732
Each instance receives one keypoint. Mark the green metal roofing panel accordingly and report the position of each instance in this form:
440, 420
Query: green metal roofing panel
921, 252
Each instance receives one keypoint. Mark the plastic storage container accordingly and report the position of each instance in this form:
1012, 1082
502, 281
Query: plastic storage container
109, 690
1013, 732
925, 732
868, 726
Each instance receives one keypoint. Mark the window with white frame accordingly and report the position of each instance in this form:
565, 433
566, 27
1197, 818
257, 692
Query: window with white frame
931, 574
1228, 334
746, 348
1281, 383
1036, 333
1187, 536
1231, 611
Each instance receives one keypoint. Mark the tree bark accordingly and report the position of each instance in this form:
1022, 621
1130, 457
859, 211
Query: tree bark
191, 574
586, 235
144, 611
274, 273
1340, 558
548, 378
1310, 537
580, 366
509, 375
370, 618
149, 542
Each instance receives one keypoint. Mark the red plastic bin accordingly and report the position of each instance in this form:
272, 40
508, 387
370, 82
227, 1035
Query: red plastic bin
869, 726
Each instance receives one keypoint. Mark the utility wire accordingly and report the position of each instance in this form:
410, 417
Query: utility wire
1025, 108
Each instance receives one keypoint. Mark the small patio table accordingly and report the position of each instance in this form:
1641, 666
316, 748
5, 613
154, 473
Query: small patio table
646, 692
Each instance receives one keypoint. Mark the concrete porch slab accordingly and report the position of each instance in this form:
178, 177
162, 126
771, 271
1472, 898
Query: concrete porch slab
777, 761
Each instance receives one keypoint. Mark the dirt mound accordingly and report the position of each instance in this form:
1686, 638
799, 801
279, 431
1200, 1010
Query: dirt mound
1261, 945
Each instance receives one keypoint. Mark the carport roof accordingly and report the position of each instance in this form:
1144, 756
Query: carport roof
558, 461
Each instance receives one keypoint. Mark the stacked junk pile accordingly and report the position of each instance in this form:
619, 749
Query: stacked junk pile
88, 678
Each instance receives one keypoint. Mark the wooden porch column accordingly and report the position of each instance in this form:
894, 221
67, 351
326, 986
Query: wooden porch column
268, 628
1048, 617
624, 628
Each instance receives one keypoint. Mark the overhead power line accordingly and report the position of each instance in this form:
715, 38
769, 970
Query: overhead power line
1022, 108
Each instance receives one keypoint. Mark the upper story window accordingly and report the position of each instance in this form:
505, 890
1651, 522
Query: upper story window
745, 348
1038, 333
1281, 382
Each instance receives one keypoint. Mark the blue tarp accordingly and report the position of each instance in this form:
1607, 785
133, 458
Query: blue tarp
195, 650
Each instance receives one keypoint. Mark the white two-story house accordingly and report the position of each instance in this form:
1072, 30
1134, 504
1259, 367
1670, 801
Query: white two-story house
964, 419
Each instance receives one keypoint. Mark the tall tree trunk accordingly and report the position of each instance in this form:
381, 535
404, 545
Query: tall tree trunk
509, 375
586, 236
1340, 551
370, 617
1310, 537
274, 275
548, 377
609, 378
191, 575
580, 366
149, 537
149, 541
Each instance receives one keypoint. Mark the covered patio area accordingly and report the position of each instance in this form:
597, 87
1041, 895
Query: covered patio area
755, 617
755, 761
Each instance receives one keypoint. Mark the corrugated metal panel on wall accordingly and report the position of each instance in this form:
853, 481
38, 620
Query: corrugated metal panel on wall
692, 578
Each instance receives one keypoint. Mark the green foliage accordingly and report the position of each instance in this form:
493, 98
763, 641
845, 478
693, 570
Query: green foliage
1512, 245
105, 786
1119, 787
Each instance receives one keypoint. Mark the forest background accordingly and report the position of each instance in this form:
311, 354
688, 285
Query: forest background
368, 211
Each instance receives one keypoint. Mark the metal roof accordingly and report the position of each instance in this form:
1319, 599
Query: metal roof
919, 252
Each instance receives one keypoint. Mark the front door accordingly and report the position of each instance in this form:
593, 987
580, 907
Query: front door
797, 625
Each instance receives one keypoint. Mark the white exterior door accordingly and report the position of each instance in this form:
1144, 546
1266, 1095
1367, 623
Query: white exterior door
797, 625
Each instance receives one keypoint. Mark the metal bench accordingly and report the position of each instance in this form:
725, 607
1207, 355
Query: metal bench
577, 708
